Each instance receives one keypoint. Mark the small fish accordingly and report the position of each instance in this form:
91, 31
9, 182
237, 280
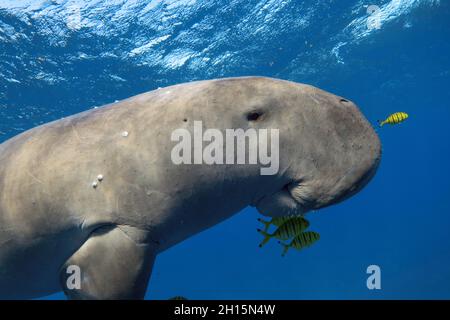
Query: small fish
287, 230
277, 221
303, 240
394, 118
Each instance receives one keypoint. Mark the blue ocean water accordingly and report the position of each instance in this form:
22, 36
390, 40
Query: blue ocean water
64, 56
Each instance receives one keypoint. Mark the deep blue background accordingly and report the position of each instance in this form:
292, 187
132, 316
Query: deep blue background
400, 221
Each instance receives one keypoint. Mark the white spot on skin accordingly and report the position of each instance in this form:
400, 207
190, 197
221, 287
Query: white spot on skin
125, 134
94, 184
100, 177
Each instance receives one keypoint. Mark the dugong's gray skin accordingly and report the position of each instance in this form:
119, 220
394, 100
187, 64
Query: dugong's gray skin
52, 217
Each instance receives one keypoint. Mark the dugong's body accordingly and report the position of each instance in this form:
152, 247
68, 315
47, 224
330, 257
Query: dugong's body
52, 215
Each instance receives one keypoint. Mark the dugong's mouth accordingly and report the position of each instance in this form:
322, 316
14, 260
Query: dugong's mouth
293, 199
301, 195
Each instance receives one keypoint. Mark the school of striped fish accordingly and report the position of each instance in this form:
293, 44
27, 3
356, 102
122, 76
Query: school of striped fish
288, 228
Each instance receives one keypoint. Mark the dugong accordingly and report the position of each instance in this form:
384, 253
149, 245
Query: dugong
99, 190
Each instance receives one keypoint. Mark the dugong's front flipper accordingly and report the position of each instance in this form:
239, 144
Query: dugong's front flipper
114, 263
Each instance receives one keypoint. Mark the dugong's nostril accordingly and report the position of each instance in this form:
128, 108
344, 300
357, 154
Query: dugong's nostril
343, 100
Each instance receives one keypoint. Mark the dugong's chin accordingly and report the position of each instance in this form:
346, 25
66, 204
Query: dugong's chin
291, 200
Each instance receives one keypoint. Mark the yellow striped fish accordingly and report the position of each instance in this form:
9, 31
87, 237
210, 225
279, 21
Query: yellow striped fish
287, 230
277, 221
394, 118
303, 240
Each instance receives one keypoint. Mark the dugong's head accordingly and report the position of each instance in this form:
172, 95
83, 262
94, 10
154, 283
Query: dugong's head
328, 150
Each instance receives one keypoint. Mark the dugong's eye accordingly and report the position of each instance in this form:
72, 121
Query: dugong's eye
254, 115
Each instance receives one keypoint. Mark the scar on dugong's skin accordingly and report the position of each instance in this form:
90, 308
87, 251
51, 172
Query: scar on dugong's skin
51, 217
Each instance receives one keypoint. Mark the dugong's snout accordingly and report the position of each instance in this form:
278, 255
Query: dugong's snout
338, 154
348, 162
359, 159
